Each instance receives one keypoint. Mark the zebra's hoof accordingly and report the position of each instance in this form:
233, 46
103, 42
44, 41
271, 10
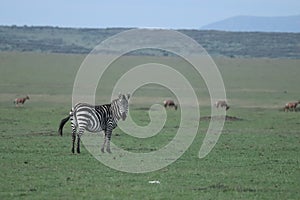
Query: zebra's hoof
102, 150
108, 150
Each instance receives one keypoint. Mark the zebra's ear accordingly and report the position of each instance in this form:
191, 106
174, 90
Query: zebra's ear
128, 95
120, 95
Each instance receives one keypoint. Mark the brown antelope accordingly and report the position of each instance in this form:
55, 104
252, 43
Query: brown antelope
222, 104
291, 106
18, 101
170, 103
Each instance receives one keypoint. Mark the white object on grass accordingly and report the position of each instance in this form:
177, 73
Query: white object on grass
154, 182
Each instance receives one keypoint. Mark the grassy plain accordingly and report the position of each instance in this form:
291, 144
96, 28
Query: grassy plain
255, 158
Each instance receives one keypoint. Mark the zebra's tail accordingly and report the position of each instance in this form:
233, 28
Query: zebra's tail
62, 123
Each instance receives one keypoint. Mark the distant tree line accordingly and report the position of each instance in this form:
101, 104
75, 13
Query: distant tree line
83, 40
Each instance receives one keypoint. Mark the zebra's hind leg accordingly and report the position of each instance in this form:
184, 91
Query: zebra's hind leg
78, 144
73, 138
80, 132
73, 141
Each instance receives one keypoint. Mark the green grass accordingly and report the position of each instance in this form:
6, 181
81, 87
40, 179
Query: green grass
255, 158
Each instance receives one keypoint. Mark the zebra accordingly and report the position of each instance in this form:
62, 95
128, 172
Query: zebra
95, 119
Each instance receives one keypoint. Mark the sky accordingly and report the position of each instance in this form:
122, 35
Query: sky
174, 14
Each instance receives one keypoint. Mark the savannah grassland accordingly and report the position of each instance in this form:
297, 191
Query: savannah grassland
256, 157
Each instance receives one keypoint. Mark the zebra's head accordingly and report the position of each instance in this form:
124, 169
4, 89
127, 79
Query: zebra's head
123, 105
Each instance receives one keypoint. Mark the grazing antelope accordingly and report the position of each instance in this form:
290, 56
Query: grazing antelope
222, 104
170, 103
291, 106
18, 101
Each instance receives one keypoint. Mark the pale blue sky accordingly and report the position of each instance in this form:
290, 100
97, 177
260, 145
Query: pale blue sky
137, 13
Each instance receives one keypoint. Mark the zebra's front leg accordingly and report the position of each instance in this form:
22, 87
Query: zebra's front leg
105, 139
108, 141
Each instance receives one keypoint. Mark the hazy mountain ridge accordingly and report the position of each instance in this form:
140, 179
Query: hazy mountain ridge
257, 24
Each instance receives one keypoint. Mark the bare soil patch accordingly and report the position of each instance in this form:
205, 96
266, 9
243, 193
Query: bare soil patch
227, 118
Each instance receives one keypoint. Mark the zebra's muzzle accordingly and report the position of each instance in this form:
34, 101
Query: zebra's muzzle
123, 116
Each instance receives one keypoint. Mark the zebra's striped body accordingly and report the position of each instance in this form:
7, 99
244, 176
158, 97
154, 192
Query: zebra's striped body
86, 117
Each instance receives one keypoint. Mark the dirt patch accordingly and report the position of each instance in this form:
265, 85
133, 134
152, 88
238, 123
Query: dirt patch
226, 188
227, 118
142, 108
145, 149
44, 133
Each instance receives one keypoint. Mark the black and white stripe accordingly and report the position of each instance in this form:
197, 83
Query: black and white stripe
86, 117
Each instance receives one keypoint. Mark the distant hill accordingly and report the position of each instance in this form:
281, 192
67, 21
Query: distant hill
253, 23
83, 40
